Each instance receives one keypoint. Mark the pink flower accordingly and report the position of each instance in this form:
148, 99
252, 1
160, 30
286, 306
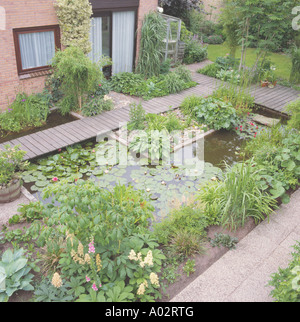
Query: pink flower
55, 179
93, 151
91, 247
99, 84
59, 150
94, 287
87, 279
100, 285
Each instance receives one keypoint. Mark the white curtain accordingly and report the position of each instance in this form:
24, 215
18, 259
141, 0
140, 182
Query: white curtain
37, 49
123, 41
96, 39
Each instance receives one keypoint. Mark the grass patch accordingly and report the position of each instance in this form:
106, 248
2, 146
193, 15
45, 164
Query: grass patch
282, 62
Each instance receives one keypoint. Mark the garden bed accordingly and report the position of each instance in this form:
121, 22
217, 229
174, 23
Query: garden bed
54, 119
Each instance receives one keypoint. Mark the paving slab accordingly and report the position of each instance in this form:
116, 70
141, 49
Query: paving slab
242, 275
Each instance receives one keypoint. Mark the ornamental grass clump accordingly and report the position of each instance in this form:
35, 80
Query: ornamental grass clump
238, 196
151, 50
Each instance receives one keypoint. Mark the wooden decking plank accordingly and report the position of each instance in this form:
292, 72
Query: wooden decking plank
43, 144
29, 147
58, 137
36, 143
29, 153
91, 126
76, 133
65, 136
114, 114
97, 123
51, 140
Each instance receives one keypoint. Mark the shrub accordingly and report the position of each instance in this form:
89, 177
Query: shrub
295, 72
96, 105
189, 103
210, 70
213, 39
293, 109
11, 162
216, 114
286, 281
78, 76
194, 52
279, 160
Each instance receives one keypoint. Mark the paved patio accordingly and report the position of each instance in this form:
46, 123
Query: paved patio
242, 275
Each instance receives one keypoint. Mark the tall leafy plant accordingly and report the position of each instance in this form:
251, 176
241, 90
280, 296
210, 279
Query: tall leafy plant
78, 74
151, 50
295, 72
74, 18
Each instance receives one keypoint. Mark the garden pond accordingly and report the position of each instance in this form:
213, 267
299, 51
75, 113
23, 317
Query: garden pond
166, 185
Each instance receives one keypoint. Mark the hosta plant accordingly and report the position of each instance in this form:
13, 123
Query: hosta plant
14, 267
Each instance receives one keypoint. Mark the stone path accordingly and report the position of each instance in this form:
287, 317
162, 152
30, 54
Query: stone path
242, 275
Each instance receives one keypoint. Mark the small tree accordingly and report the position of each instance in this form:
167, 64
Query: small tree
78, 75
75, 22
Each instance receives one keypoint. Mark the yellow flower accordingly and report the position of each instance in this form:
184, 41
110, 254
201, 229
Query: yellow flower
154, 279
141, 289
87, 259
98, 262
56, 280
80, 249
132, 255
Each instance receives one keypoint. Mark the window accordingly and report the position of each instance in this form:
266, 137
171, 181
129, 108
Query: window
35, 47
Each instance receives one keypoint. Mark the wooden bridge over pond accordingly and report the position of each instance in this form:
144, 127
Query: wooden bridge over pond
50, 140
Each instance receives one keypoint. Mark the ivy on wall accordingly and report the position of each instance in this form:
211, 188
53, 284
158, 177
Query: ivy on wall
74, 18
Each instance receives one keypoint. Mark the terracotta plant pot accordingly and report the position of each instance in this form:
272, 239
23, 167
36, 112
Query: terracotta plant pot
12, 192
264, 83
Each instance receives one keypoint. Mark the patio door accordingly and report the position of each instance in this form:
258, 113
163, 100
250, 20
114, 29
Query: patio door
100, 36
123, 41
113, 34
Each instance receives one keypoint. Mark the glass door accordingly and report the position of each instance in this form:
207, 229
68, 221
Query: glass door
123, 40
113, 34
100, 36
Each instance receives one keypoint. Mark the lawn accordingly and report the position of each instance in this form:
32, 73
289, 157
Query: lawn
282, 62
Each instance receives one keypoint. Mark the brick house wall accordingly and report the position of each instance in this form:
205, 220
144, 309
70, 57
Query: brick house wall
32, 13
20, 14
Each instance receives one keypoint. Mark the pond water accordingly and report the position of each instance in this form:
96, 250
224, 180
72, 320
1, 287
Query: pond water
167, 185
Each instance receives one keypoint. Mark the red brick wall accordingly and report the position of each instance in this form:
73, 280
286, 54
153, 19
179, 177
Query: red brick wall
145, 7
19, 14
32, 13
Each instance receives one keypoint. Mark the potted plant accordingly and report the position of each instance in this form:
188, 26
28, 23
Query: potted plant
269, 78
11, 163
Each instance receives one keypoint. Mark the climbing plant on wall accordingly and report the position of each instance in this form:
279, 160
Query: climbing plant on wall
74, 18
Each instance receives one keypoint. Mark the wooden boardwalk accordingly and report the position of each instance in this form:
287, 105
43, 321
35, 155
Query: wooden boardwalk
51, 140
